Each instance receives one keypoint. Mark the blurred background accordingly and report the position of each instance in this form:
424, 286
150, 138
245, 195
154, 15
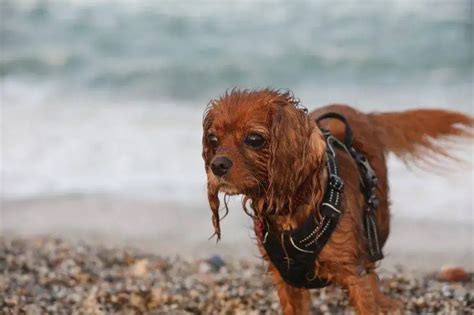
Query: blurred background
102, 102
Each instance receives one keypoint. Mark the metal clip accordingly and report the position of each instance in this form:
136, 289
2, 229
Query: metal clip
336, 182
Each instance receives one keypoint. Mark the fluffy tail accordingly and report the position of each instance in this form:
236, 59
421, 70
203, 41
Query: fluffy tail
422, 134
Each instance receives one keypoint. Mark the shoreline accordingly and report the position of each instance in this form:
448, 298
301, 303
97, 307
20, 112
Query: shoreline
183, 228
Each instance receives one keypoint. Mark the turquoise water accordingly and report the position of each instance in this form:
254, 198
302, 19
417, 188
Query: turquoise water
193, 50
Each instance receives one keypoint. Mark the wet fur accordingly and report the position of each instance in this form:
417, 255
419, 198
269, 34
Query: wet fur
293, 160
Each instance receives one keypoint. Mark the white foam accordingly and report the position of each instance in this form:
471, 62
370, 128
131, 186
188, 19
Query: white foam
61, 145
54, 146
445, 195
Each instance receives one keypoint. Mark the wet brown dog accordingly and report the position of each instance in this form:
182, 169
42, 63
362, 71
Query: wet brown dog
262, 145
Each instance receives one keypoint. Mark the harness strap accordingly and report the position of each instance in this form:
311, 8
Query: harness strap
368, 186
348, 136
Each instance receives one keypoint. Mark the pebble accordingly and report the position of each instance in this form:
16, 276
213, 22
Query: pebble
204, 267
216, 262
139, 268
45, 275
452, 273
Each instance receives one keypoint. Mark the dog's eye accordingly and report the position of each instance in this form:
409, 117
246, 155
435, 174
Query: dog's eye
213, 141
255, 140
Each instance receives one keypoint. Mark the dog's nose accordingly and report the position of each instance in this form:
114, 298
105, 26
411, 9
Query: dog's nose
221, 165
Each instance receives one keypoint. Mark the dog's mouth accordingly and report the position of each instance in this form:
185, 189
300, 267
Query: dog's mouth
229, 189
222, 184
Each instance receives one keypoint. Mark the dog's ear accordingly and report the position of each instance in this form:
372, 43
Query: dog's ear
207, 154
296, 149
207, 151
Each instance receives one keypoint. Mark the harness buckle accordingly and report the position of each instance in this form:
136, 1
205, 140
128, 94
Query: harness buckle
336, 182
370, 179
373, 202
325, 132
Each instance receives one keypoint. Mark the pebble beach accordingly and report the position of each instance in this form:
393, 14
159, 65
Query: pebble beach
41, 275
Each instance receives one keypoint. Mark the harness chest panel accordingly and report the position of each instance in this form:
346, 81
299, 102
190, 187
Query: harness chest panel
294, 252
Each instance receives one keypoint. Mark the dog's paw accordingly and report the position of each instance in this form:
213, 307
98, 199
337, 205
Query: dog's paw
390, 306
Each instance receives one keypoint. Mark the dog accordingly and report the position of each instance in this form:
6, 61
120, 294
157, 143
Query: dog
265, 146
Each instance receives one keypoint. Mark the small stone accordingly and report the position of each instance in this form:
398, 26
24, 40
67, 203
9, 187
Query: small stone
11, 300
460, 293
32, 309
216, 262
452, 274
158, 297
447, 291
137, 301
123, 297
420, 302
82, 278
139, 268
324, 308
204, 267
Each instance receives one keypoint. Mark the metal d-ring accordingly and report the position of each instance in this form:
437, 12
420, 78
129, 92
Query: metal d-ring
311, 279
265, 237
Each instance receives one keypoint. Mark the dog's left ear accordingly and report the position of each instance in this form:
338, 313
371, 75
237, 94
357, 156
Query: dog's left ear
296, 148
207, 154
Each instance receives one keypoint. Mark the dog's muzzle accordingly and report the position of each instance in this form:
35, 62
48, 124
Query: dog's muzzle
221, 165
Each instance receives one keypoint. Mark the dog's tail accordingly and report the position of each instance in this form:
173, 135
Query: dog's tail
422, 134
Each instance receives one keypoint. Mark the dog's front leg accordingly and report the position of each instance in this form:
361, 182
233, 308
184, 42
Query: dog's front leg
361, 294
385, 303
294, 301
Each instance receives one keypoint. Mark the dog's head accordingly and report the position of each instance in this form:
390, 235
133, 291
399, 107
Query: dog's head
260, 144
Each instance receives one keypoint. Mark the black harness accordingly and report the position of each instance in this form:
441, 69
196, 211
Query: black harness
294, 252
